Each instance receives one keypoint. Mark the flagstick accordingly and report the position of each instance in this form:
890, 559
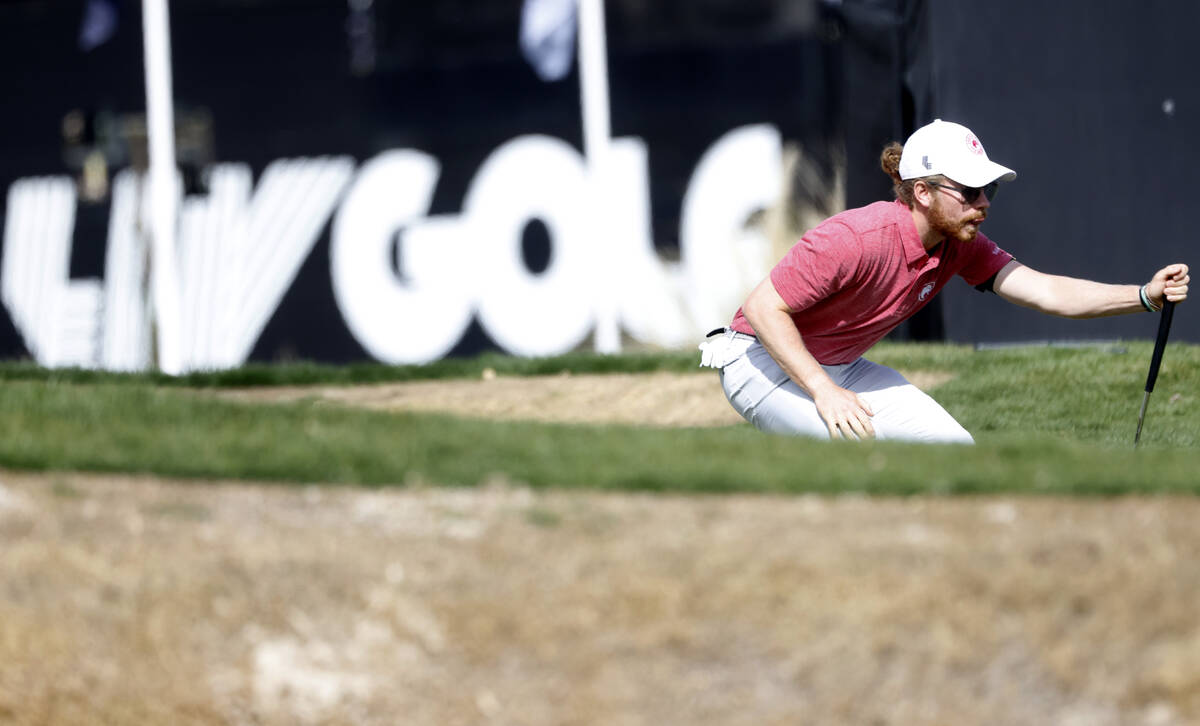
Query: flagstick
160, 134
593, 81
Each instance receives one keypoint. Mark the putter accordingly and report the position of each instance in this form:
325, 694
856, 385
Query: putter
1164, 329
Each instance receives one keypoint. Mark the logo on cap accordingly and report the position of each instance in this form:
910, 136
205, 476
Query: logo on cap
925, 162
973, 144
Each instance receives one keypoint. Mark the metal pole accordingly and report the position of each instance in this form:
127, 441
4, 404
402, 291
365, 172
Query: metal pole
160, 138
597, 133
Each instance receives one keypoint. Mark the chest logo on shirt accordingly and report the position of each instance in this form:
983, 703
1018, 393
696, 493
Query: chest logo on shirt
925, 291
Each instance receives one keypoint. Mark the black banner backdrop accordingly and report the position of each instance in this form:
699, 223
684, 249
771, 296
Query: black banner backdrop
1090, 102
1093, 104
1096, 107
277, 79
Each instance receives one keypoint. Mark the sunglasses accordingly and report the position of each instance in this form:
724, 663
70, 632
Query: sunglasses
970, 195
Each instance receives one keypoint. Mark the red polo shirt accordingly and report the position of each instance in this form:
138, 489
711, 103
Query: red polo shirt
852, 279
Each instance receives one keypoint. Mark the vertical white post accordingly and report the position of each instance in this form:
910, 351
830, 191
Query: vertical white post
160, 135
593, 81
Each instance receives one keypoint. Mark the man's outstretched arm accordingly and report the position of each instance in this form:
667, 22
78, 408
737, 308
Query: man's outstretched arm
1075, 298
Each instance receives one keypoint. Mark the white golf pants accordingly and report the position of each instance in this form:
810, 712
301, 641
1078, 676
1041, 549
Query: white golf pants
764, 395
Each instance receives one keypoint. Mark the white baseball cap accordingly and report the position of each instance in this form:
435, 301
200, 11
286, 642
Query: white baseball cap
952, 150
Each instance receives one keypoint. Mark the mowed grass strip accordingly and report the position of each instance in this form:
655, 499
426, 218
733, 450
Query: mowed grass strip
301, 373
1047, 420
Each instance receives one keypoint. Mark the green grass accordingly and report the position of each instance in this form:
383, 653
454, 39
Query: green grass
1047, 420
305, 373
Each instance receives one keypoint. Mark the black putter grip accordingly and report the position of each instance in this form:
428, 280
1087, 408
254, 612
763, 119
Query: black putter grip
1164, 329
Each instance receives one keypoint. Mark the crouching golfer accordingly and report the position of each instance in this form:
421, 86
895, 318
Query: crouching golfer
791, 361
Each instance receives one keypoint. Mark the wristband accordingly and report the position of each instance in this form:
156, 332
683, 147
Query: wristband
1146, 300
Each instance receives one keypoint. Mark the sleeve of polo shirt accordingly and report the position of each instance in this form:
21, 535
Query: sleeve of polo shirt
983, 258
822, 263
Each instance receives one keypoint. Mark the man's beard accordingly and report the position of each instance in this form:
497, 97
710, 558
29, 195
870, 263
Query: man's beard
958, 230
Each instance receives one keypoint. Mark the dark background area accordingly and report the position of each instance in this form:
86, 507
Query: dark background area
1091, 103
1094, 105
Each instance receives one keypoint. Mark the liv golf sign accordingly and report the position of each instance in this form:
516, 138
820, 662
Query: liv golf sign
407, 283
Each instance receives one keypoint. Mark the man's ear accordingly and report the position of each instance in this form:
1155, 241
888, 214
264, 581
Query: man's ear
922, 193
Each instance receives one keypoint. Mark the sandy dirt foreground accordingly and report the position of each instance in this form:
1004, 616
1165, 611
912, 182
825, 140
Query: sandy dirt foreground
651, 399
141, 601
